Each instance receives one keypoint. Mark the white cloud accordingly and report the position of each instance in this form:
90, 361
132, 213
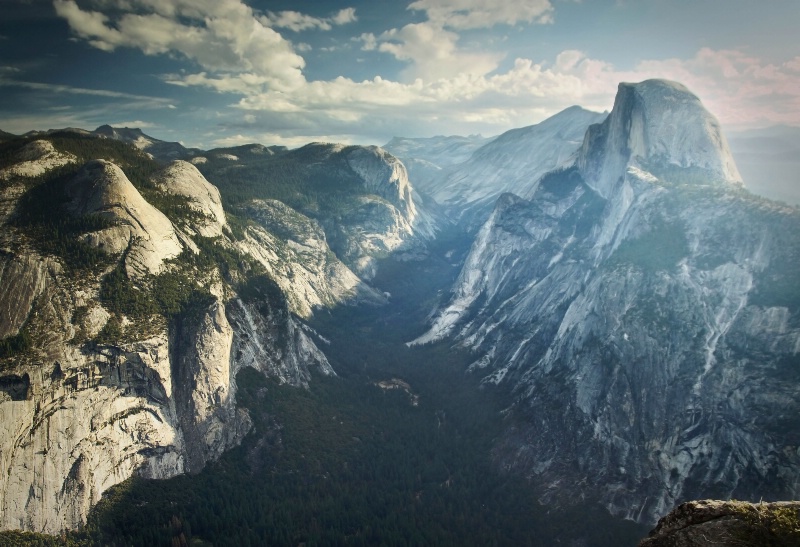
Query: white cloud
471, 14
142, 101
446, 87
224, 36
368, 41
297, 22
431, 47
433, 52
742, 91
344, 16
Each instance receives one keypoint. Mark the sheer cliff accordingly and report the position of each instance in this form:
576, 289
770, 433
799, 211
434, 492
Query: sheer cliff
642, 309
131, 303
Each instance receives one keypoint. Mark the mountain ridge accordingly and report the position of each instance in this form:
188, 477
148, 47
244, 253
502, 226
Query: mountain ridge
572, 301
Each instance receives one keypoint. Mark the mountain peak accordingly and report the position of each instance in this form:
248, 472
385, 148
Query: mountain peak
656, 124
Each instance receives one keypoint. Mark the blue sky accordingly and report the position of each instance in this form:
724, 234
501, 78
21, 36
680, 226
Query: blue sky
224, 72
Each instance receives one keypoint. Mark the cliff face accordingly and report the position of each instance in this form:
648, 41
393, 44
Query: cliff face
359, 196
94, 389
130, 303
644, 322
656, 125
144, 233
512, 162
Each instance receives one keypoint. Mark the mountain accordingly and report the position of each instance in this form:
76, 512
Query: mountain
133, 297
161, 150
425, 158
360, 196
768, 161
512, 162
642, 308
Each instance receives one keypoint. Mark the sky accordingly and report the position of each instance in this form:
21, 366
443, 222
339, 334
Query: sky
211, 73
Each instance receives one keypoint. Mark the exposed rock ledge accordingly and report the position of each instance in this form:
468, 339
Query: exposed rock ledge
711, 522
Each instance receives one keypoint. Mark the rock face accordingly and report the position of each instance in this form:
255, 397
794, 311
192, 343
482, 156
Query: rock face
359, 196
144, 232
643, 319
660, 124
513, 162
426, 158
34, 159
181, 178
728, 523
294, 249
79, 413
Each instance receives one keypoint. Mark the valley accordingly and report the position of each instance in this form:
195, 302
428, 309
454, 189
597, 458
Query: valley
347, 462
554, 336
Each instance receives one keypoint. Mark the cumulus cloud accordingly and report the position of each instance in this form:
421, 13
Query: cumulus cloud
471, 14
298, 22
219, 35
434, 53
431, 47
446, 88
742, 91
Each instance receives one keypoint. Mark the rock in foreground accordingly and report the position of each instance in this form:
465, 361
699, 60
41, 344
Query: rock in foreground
711, 522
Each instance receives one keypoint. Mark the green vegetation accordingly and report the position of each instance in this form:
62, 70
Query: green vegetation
16, 344
177, 292
30, 539
55, 233
660, 248
560, 183
314, 180
767, 525
349, 463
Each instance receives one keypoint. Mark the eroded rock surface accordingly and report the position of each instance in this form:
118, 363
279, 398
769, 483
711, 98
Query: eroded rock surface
728, 524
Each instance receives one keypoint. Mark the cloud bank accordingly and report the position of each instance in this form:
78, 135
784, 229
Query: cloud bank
445, 87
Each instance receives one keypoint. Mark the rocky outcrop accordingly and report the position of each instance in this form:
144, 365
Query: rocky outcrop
181, 178
87, 422
34, 159
268, 339
204, 385
23, 277
513, 162
643, 323
655, 124
143, 232
294, 250
426, 158
728, 523
386, 217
